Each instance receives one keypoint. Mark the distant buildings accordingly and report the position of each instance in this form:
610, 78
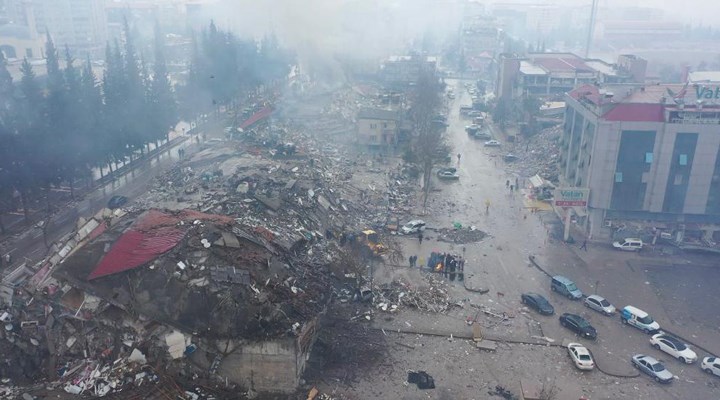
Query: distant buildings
79, 24
647, 153
553, 74
405, 70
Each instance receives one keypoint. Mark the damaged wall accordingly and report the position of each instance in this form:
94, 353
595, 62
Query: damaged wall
264, 366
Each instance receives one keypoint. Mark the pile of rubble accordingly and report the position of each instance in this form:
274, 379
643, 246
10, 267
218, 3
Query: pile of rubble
539, 154
460, 236
433, 298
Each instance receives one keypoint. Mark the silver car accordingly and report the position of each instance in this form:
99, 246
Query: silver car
652, 367
599, 304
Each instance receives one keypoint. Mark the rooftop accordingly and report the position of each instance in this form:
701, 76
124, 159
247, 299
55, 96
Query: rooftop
704, 77
378, 113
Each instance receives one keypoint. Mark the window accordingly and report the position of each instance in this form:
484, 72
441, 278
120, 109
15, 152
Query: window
648, 158
678, 179
618, 177
373, 138
683, 159
384, 124
28, 53
373, 126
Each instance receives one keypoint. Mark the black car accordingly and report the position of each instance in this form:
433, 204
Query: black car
538, 303
117, 202
578, 325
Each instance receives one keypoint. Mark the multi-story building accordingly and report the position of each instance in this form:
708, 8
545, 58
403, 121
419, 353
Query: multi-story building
377, 127
553, 74
479, 41
79, 24
405, 70
647, 153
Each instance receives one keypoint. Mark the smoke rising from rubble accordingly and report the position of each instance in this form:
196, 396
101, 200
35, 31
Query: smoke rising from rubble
322, 32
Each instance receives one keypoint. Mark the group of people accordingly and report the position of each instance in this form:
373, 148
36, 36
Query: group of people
450, 265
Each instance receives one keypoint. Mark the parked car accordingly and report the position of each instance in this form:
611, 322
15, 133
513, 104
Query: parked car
673, 346
117, 201
538, 303
581, 356
492, 143
447, 175
711, 365
638, 318
413, 226
485, 135
510, 157
628, 244
578, 325
472, 128
565, 287
652, 367
599, 304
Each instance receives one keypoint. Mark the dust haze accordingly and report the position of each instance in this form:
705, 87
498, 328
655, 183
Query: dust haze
322, 32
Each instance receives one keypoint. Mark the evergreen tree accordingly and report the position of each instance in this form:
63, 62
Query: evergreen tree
161, 99
135, 95
96, 134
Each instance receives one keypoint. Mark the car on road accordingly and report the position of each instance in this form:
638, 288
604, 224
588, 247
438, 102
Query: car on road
492, 143
581, 356
638, 318
117, 201
475, 114
628, 244
510, 157
472, 128
578, 325
673, 346
448, 173
652, 367
538, 303
414, 226
599, 304
485, 135
565, 287
711, 365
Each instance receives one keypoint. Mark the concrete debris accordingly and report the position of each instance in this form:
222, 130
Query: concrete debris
460, 236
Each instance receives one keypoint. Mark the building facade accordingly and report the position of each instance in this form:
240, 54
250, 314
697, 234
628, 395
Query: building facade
398, 71
647, 153
377, 127
553, 74
79, 24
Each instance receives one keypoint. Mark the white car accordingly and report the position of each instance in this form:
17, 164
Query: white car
674, 347
581, 356
413, 226
492, 143
711, 365
599, 304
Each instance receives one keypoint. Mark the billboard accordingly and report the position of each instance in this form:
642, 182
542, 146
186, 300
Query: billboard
571, 197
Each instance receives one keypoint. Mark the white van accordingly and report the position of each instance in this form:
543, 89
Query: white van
629, 244
638, 318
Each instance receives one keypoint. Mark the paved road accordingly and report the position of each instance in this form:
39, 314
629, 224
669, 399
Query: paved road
501, 265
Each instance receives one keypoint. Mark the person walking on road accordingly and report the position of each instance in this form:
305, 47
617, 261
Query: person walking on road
584, 245
411, 261
487, 206
420, 237
507, 183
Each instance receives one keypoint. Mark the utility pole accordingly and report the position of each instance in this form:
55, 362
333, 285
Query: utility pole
591, 27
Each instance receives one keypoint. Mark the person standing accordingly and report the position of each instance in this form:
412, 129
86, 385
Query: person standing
487, 206
584, 245
411, 261
420, 237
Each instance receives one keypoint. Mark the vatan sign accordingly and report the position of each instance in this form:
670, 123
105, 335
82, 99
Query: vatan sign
571, 197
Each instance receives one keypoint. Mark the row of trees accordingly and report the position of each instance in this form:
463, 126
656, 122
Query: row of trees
56, 130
